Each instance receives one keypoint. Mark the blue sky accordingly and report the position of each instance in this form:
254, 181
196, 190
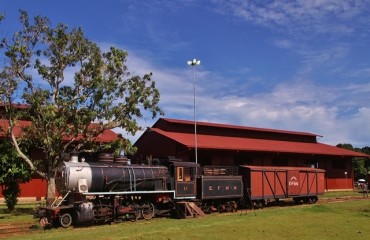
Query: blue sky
292, 65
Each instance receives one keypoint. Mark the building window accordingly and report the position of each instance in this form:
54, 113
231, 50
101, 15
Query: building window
202, 159
310, 163
279, 162
205, 160
242, 159
339, 164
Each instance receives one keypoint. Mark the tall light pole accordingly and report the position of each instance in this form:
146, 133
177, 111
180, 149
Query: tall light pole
195, 63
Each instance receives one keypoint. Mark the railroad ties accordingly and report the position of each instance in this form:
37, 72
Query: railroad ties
189, 210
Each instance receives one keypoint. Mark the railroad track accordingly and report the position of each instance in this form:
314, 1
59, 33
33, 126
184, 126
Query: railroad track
14, 229
341, 199
291, 203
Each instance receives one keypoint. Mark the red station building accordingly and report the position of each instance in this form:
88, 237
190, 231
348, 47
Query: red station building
228, 145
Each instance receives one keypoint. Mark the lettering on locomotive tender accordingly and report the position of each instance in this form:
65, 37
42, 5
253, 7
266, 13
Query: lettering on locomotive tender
227, 188
293, 181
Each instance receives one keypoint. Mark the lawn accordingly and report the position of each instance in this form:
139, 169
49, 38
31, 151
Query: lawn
339, 220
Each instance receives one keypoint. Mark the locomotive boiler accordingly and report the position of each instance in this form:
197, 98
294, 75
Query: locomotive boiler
107, 175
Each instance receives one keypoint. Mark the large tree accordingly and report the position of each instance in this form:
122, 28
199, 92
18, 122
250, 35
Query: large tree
67, 82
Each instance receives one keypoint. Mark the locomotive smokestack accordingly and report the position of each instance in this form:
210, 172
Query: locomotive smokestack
74, 157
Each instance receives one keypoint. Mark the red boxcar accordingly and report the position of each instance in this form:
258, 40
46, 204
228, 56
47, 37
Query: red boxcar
263, 183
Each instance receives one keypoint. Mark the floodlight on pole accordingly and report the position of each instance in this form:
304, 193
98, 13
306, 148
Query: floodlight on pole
195, 63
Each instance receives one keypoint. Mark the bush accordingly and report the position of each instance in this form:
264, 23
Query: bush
11, 192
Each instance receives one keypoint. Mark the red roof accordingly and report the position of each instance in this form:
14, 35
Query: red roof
227, 126
259, 145
105, 137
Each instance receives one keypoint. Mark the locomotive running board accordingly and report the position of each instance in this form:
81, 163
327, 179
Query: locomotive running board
127, 192
137, 193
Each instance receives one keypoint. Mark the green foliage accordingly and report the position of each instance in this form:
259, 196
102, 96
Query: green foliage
366, 150
12, 172
11, 192
116, 147
347, 146
361, 166
37, 59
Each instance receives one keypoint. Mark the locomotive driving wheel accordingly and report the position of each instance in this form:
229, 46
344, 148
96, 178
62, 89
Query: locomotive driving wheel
135, 215
148, 211
65, 220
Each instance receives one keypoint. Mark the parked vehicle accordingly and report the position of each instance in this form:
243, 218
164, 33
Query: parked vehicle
360, 183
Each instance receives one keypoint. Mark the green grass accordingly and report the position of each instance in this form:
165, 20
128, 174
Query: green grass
341, 220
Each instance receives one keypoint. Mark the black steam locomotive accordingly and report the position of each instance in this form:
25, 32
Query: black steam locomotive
112, 190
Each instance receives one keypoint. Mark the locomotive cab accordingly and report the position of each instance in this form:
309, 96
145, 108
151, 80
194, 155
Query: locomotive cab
183, 177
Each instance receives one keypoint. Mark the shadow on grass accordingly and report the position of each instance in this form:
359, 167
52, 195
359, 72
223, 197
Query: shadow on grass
366, 212
18, 211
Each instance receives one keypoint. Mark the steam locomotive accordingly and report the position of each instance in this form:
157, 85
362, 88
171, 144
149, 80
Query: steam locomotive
112, 190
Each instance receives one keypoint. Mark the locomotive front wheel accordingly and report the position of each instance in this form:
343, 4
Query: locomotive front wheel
65, 220
148, 211
43, 222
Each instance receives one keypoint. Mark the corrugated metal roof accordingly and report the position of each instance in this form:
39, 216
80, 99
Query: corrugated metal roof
227, 126
258, 145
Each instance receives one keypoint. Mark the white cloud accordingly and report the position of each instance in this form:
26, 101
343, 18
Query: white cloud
297, 106
315, 16
291, 105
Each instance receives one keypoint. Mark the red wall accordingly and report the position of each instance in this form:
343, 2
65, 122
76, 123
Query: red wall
35, 188
336, 179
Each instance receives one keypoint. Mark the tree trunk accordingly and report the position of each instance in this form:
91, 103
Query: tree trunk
50, 193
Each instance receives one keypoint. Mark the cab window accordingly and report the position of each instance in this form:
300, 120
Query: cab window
180, 174
185, 174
